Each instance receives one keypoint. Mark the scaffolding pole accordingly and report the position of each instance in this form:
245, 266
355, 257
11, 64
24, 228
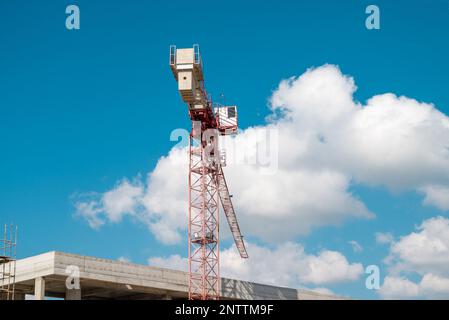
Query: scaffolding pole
8, 251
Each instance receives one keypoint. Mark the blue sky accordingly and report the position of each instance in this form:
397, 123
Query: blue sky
80, 110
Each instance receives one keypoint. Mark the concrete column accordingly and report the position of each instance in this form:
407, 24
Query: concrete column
39, 288
73, 294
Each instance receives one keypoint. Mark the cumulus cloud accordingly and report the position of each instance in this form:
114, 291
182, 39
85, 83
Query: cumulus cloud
437, 196
124, 199
399, 142
426, 250
424, 253
284, 265
327, 143
435, 286
91, 210
430, 286
398, 288
384, 237
160, 202
393, 141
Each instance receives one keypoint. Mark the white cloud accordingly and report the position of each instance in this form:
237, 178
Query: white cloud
356, 247
398, 142
435, 286
90, 210
384, 237
330, 267
291, 201
165, 200
430, 286
393, 141
398, 288
285, 265
426, 250
327, 142
160, 203
437, 196
424, 253
122, 200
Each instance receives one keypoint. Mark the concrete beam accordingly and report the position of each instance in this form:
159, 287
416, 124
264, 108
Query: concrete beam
108, 279
39, 288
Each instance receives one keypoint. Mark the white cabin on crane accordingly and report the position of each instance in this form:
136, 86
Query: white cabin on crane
187, 67
226, 119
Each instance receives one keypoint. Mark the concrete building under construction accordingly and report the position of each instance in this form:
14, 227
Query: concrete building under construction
50, 275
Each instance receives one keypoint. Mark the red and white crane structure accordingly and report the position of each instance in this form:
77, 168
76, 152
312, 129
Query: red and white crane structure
207, 184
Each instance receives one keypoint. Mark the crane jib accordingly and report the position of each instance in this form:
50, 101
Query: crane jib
231, 217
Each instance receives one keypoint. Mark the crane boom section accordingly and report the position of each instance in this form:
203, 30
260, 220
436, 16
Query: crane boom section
228, 209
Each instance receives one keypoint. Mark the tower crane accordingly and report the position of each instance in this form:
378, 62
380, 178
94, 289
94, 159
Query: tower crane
207, 183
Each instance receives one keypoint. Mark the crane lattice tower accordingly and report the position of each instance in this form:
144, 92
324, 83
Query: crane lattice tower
207, 184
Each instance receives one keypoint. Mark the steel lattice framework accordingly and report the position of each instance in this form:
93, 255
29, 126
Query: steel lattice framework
8, 245
204, 247
207, 184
